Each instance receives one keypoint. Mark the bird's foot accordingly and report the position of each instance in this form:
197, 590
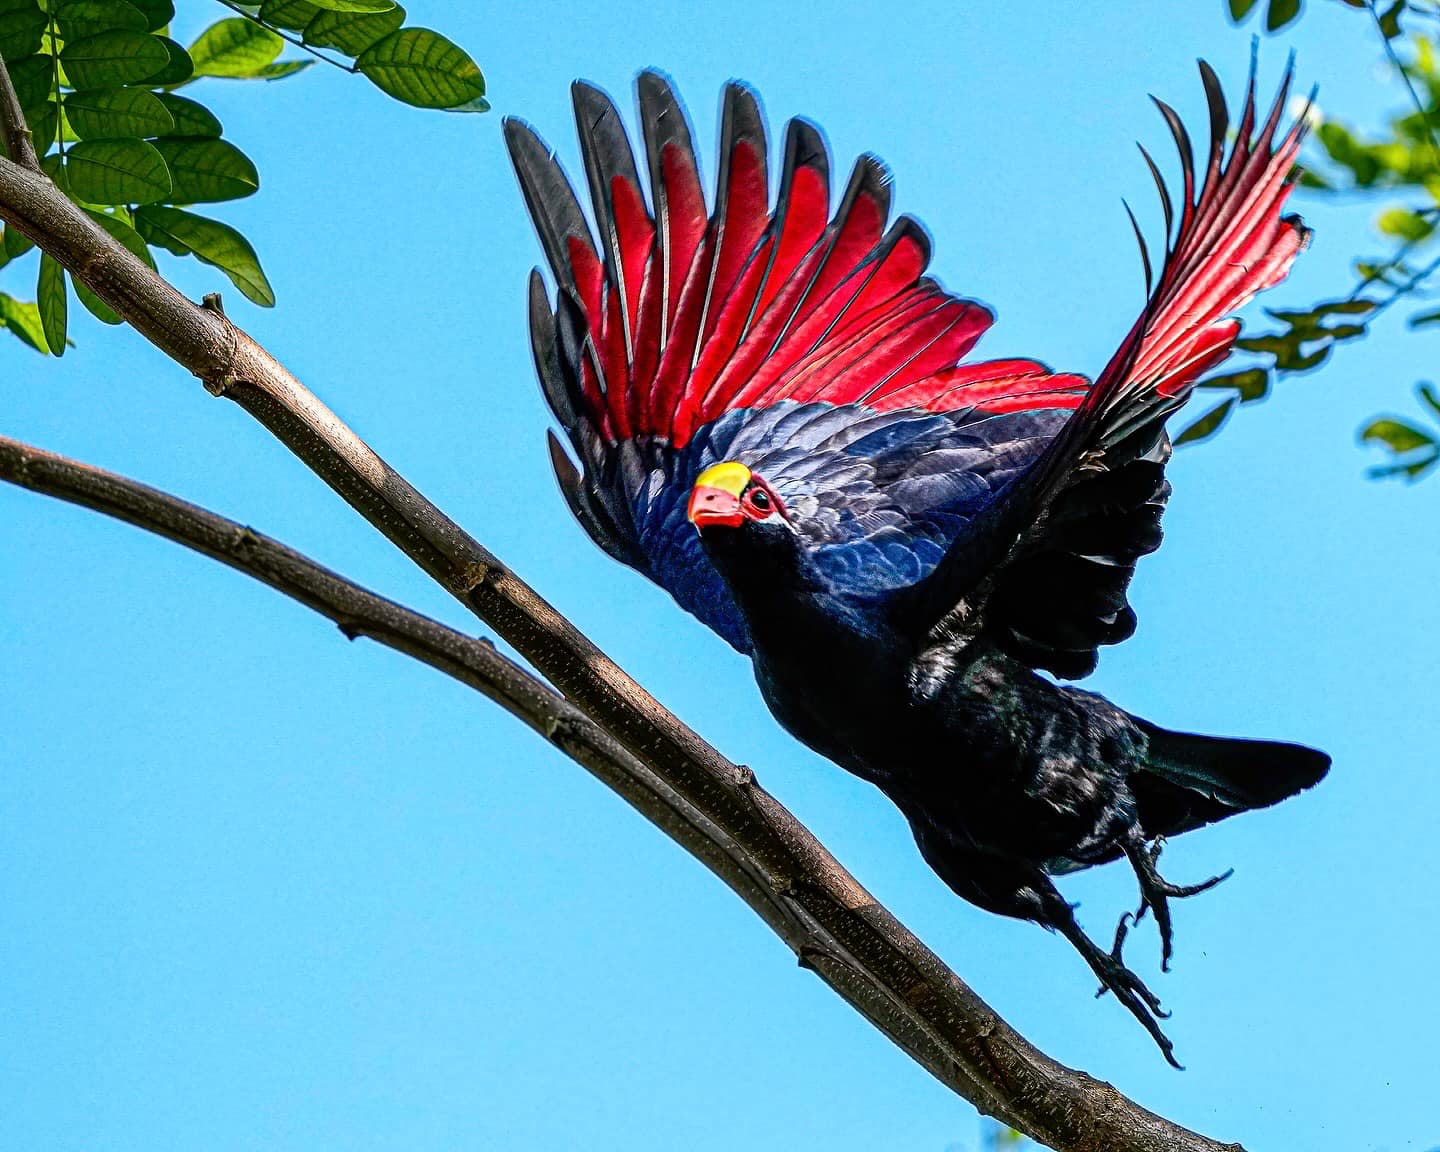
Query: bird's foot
1128, 988
1119, 971
1156, 892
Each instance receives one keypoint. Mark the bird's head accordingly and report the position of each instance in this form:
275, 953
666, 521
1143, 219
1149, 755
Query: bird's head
729, 498
747, 531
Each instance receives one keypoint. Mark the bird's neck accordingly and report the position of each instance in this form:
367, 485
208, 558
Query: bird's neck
786, 601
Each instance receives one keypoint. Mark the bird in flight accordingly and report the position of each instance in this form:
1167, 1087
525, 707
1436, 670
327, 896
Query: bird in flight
773, 422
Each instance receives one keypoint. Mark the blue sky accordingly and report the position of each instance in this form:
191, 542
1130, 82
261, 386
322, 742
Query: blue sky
266, 888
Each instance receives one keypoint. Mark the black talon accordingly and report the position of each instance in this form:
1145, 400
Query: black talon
1128, 988
1156, 892
1121, 930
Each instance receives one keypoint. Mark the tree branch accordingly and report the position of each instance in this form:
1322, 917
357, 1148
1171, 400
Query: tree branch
359, 612
835, 926
13, 129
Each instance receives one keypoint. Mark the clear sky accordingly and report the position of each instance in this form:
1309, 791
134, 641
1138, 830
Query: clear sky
264, 888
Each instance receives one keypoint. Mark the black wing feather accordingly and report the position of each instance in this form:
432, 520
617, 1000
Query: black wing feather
549, 197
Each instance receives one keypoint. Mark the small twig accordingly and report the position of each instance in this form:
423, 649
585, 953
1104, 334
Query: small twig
1406, 289
18, 144
289, 39
1404, 73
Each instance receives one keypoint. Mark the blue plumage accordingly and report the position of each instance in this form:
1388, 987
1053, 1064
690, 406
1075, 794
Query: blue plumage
876, 497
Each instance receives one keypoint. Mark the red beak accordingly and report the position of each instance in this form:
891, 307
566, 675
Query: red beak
715, 508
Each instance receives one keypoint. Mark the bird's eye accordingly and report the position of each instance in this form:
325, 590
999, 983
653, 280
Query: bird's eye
760, 500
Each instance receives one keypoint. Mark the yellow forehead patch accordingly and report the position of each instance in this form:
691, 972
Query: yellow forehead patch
731, 476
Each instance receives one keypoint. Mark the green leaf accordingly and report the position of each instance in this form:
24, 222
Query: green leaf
1309, 320
1429, 396
1251, 384
22, 28
1239, 9
50, 297
158, 13
122, 232
77, 18
283, 68
33, 78
1207, 425
42, 120
100, 113
53, 166
421, 67
1281, 13
1359, 306
1348, 152
93, 304
1389, 23
236, 48
109, 59
352, 33
117, 172
128, 237
1411, 470
180, 68
291, 14
23, 319
1277, 346
357, 5
191, 119
15, 242
1422, 319
1294, 362
1344, 331
1396, 435
1405, 224
205, 171
479, 104
211, 242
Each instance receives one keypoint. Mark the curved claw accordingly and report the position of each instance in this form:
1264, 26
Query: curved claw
1178, 890
1128, 988
1143, 1004
1156, 892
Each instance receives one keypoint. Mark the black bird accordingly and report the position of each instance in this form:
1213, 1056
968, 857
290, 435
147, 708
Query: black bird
772, 423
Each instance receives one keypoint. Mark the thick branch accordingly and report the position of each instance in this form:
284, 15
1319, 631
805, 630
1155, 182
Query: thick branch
844, 935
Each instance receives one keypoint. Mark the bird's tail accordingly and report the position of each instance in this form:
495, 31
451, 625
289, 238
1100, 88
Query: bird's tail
1192, 780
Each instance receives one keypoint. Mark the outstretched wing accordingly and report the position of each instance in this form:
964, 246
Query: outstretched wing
686, 337
1047, 564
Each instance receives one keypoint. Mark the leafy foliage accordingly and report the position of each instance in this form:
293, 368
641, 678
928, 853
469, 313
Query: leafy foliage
1415, 450
97, 81
1281, 13
1402, 164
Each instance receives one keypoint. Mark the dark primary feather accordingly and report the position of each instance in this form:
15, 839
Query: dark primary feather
1049, 563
